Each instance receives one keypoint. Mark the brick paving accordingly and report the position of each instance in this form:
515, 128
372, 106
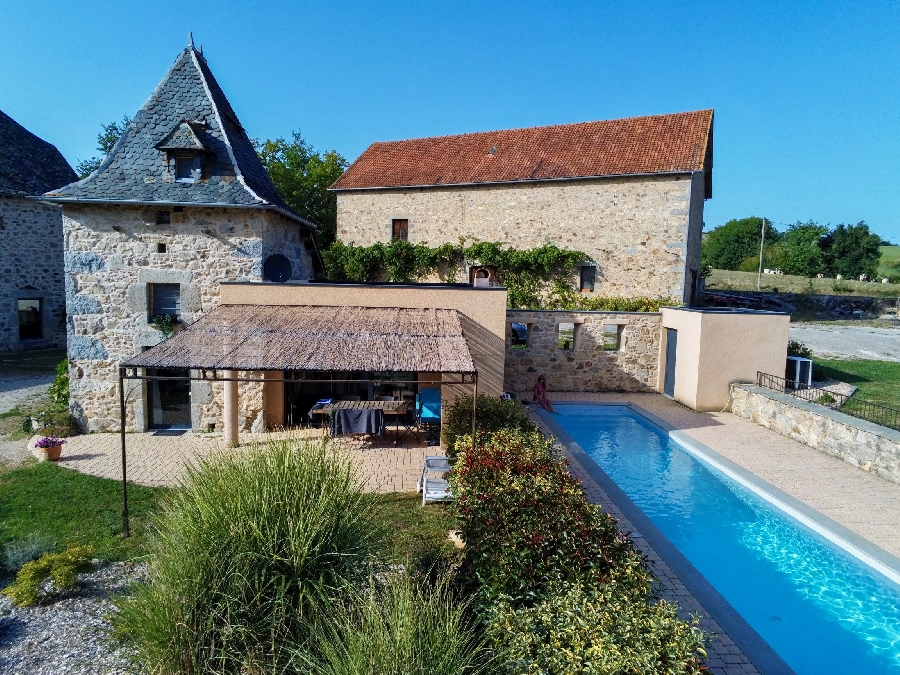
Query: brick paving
162, 460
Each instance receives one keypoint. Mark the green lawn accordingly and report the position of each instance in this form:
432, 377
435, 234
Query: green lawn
728, 280
416, 531
65, 507
889, 265
878, 381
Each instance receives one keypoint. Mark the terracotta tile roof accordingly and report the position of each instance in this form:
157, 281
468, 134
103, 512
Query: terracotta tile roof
676, 143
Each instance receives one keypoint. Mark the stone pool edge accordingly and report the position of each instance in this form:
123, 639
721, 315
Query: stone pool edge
836, 533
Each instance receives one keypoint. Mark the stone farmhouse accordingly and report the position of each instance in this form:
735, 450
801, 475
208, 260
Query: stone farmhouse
32, 293
179, 205
629, 193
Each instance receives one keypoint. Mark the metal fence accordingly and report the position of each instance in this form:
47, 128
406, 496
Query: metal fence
865, 410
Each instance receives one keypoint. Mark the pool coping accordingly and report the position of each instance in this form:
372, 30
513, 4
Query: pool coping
754, 647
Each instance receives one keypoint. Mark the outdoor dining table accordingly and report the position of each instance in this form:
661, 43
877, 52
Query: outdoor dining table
396, 409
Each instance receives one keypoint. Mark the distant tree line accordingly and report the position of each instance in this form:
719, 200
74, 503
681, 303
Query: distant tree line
803, 249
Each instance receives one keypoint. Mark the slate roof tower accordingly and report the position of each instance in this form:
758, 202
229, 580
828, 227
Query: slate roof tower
181, 204
187, 117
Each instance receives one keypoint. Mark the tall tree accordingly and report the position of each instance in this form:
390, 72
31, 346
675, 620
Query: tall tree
302, 177
802, 252
106, 139
728, 245
852, 250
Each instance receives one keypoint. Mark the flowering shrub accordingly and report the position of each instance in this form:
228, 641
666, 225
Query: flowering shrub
597, 629
50, 442
493, 414
527, 524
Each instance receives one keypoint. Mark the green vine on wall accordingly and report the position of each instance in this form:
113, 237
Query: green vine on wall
536, 278
527, 274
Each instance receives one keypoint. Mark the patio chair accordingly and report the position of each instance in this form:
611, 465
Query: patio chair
433, 463
436, 490
428, 407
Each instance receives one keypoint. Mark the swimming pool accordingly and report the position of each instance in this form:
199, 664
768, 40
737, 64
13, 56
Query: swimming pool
818, 607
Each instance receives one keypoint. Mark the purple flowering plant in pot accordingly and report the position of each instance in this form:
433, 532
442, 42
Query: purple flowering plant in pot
52, 445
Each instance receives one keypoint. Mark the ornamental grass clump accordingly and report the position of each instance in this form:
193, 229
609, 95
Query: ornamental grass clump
398, 626
248, 557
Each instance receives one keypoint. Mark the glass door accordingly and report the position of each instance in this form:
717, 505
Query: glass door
170, 400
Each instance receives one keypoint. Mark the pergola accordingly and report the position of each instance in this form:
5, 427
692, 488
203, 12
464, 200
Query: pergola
237, 343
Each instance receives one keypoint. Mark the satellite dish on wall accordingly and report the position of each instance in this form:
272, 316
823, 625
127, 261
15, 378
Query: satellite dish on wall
277, 268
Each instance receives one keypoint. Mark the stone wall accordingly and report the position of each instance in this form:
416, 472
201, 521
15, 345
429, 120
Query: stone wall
31, 267
613, 351
635, 229
866, 446
112, 254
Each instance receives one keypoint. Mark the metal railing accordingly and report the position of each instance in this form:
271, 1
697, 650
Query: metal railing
865, 410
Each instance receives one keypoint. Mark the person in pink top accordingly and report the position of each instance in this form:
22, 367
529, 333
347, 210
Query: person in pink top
540, 394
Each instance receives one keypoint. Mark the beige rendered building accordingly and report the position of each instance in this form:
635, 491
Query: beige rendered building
628, 193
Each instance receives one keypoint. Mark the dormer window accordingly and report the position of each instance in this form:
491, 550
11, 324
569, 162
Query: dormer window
188, 169
186, 150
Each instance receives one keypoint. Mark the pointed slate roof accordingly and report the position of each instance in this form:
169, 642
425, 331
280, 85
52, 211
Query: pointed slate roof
28, 164
187, 112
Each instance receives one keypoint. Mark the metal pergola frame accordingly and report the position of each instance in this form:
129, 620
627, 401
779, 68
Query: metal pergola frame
216, 375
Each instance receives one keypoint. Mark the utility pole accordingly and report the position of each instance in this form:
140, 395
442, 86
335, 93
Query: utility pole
762, 240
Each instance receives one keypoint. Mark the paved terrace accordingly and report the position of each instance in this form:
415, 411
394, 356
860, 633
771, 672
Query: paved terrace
162, 460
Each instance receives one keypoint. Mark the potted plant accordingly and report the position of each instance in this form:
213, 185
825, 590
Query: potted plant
166, 324
51, 446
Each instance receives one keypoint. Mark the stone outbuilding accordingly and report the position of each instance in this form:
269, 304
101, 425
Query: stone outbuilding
629, 193
32, 295
181, 203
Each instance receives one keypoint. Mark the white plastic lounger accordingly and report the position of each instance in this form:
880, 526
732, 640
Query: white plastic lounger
436, 463
436, 490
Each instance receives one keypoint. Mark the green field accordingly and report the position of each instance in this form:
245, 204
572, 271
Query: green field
889, 265
878, 381
728, 280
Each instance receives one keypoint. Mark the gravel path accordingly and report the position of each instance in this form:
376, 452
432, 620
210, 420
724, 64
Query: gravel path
849, 342
17, 389
67, 633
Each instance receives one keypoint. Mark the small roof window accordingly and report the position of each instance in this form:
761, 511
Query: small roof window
188, 169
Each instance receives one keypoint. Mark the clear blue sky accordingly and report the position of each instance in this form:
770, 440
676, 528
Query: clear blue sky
806, 94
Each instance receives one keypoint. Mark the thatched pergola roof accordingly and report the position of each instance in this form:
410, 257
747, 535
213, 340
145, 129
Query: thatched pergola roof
344, 339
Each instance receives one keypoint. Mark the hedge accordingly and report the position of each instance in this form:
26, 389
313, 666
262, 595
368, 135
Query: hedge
557, 587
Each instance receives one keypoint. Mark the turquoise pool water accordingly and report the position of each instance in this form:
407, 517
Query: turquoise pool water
819, 608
